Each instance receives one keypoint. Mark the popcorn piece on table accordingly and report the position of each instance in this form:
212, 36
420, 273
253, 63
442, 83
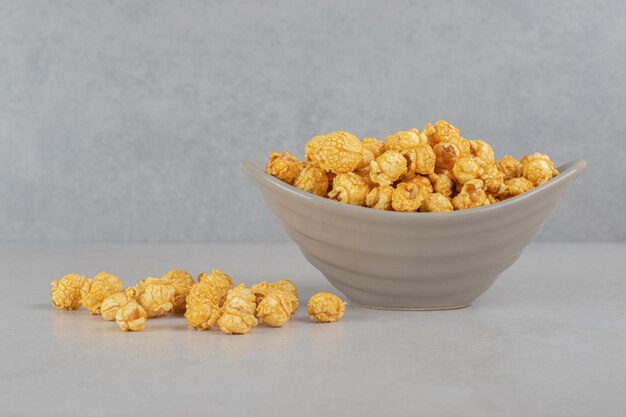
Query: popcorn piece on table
113, 303
95, 290
157, 298
182, 282
131, 317
277, 307
325, 307
65, 292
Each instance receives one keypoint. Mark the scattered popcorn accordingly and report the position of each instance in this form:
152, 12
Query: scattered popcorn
131, 317
112, 303
157, 298
236, 321
325, 307
182, 282
95, 290
277, 307
66, 291
202, 314
286, 285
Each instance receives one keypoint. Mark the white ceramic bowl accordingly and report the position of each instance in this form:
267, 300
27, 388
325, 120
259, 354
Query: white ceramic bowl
414, 261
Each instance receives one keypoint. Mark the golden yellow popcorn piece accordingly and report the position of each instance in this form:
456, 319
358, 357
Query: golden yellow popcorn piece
446, 154
493, 178
516, 186
482, 150
365, 174
421, 159
131, 317
388, 167
236, 321
379, 198
286, 285
66, 291
406, 197
404, 141
311, 147
202, 314
538, 168
436, 202
472, 195
423, 183
338, 152
325, 307
95, 290
313, 180
261, 289
510, 167
442, 131
112, 303
277, 307
157, 298
212, 290
182, 282
241, 297
284, 166
377, 147
349, 188
466, 169
442, 183
221, 278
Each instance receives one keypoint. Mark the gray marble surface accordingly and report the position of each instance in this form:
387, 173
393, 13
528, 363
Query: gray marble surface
127, 120
548, 339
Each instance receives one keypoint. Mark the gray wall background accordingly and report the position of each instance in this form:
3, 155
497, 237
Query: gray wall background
127, 120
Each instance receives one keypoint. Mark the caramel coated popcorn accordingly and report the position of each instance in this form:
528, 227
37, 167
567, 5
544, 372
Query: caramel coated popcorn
182, 282
379, 198
371, 172
157, 297
212, 302
277, 307
388, 167
538, 168
131, 317
313, 180
95, 290
349, 188
202, 314
337, 152
285, 167
112, 303
325, 307
436, 202
66, 291
406, 197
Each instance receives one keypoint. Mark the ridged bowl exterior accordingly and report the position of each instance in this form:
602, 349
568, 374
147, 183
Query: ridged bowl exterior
413, 261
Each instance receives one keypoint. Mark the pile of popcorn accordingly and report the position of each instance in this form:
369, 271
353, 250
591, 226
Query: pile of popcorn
213, 301
435, 170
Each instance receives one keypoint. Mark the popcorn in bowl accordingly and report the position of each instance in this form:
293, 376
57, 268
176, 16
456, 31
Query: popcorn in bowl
435, 170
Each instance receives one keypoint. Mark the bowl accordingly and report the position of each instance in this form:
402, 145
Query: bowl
411, 261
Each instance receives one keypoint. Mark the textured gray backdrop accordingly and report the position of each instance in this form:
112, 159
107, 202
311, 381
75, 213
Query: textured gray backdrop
126, 120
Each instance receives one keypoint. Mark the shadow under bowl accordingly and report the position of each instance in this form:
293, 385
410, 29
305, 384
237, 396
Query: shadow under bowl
411, 261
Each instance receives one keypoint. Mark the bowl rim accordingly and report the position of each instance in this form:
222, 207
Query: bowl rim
567, 171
